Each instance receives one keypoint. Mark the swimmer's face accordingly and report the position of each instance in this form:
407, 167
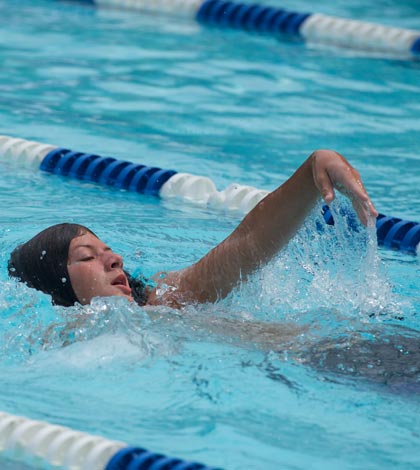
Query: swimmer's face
95, 270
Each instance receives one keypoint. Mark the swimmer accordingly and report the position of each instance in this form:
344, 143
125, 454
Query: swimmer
70, 263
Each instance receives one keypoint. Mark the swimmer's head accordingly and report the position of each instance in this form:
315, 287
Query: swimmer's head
70, 263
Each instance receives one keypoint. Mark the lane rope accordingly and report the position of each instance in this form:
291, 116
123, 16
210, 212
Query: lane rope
310, 27
392, 232
39, 443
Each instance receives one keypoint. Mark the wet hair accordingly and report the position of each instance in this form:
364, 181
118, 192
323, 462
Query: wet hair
41, 263
140, 288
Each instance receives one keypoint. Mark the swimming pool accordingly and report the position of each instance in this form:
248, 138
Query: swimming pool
238, 108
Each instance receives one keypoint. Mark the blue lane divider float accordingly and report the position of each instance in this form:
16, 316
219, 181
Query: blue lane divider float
107, 171
311, 27
392, 232
250, 17
136, 458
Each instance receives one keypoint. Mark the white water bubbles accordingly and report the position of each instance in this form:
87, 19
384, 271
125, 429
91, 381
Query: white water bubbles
326, 270
108, 329
347, 274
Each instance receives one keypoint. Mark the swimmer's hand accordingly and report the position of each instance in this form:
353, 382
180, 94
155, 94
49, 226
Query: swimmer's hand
331, 170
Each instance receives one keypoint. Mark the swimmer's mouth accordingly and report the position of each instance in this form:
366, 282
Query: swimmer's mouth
120, 280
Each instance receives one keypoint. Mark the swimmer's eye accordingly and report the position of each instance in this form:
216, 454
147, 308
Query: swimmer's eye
87, 258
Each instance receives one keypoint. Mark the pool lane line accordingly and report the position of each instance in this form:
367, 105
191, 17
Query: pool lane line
39, 442
263, 19
392, 232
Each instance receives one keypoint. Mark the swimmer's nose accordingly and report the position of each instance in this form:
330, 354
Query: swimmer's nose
113, 261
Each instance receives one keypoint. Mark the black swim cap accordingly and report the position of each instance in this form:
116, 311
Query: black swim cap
41, 262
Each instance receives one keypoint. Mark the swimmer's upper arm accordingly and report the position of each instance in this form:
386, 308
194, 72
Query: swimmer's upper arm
208, 280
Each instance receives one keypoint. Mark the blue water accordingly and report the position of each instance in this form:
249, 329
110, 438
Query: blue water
314, 364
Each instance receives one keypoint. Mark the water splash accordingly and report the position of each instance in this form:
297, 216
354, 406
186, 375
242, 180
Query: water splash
325, 271
109, 327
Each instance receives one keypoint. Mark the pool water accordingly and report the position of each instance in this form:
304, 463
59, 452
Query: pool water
314, 363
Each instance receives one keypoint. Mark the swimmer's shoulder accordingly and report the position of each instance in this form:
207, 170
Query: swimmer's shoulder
176, 289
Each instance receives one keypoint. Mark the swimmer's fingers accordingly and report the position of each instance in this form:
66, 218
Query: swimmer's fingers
331, 170
352, 187
365, 210
324, 184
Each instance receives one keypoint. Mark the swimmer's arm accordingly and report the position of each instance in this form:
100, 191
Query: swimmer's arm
267, 229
